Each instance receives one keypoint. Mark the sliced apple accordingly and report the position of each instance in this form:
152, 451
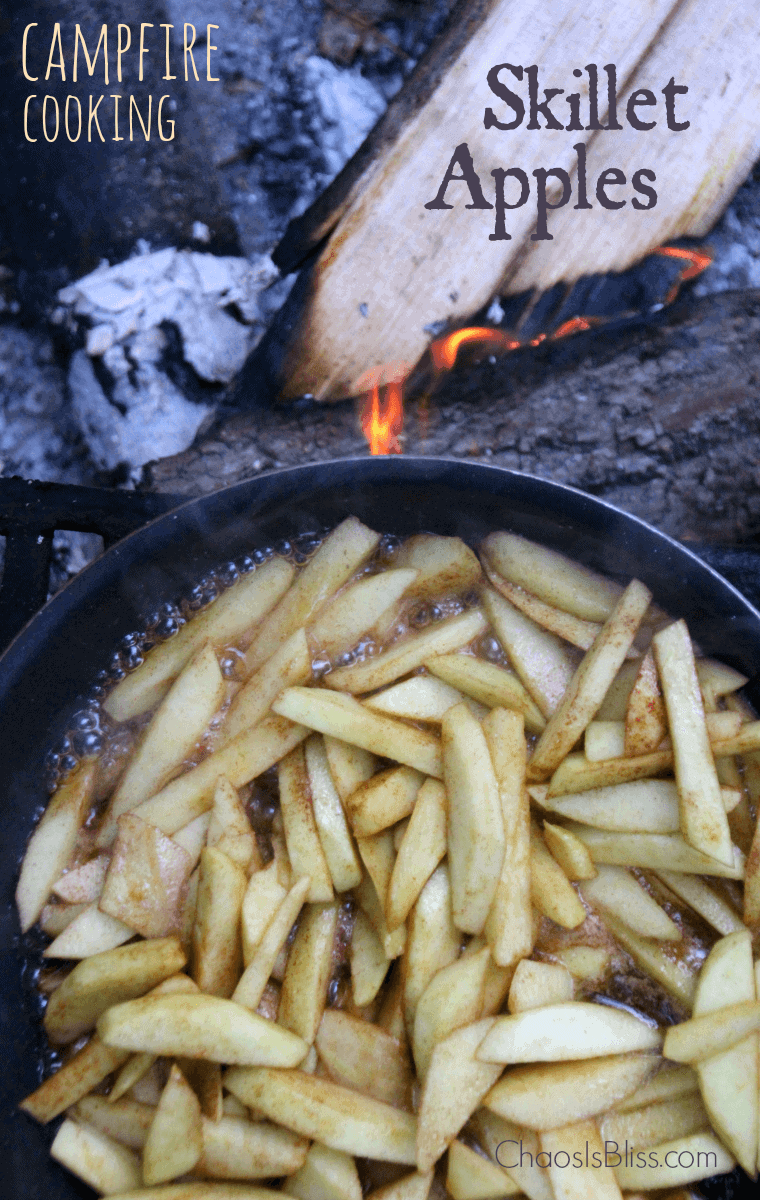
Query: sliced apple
472, 1176
656, 1123
127, 1121
456, 1082
551, 890
708, 1035
444, 564
369, 966
382, 800
175, 1137
217, 953
487, 684
514, 1149
615, 890
52, 842
99, 1160
729, 1082
704, 900
509, 925
146, 879
88, 1067
334, 834
422, 847
543, 662
340, 554
237, 1148
406, 655
557, 1032
549, 1095
105, 979
200, 1026
176, 727
590, 1179
362, 1056
641, 806
336, 1116
452, 999
475, 825
301, 833
554, 577
325, 1175
586, 691
89, 932
703, 817
536, 984
422, 698
433, 940
570, 852
222, 623
307, 975
645, 716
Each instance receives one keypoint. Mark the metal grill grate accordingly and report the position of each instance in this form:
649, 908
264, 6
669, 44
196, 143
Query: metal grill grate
31, 512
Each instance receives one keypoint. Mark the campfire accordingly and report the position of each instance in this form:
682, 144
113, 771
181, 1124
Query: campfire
550, 356
382, 408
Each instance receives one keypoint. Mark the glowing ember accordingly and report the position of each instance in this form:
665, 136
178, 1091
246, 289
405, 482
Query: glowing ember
696, 262
382, 419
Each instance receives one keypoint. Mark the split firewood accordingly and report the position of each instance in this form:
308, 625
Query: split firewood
468, 187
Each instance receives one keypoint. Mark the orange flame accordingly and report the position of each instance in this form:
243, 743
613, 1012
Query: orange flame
444, 352
382, 423
382, 420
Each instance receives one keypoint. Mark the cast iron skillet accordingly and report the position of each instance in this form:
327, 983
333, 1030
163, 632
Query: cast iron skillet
56, 657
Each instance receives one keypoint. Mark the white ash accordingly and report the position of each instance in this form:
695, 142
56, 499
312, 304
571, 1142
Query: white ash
495, 312
271, 142
736, 244
38, 439
143, 415
128, 409
349, 104
72, 552
188, 288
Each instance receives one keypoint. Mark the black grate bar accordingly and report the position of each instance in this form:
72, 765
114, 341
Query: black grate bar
26, 571
31, 511
31, 505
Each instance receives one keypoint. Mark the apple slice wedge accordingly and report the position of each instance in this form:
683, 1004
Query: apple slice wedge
729, 1081
561, 1032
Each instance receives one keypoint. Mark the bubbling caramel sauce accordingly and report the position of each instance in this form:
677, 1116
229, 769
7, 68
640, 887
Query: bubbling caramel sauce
621, 983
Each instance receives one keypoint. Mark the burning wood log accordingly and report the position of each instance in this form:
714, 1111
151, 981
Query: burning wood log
645, 418
418, 236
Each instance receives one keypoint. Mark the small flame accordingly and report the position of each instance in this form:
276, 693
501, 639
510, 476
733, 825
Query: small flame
382, 419
444, 352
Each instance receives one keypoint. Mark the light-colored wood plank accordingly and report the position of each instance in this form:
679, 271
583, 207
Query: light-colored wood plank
714, 54
392, 269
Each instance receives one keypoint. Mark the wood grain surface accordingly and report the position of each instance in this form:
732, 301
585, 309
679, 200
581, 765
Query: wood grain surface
392, 270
